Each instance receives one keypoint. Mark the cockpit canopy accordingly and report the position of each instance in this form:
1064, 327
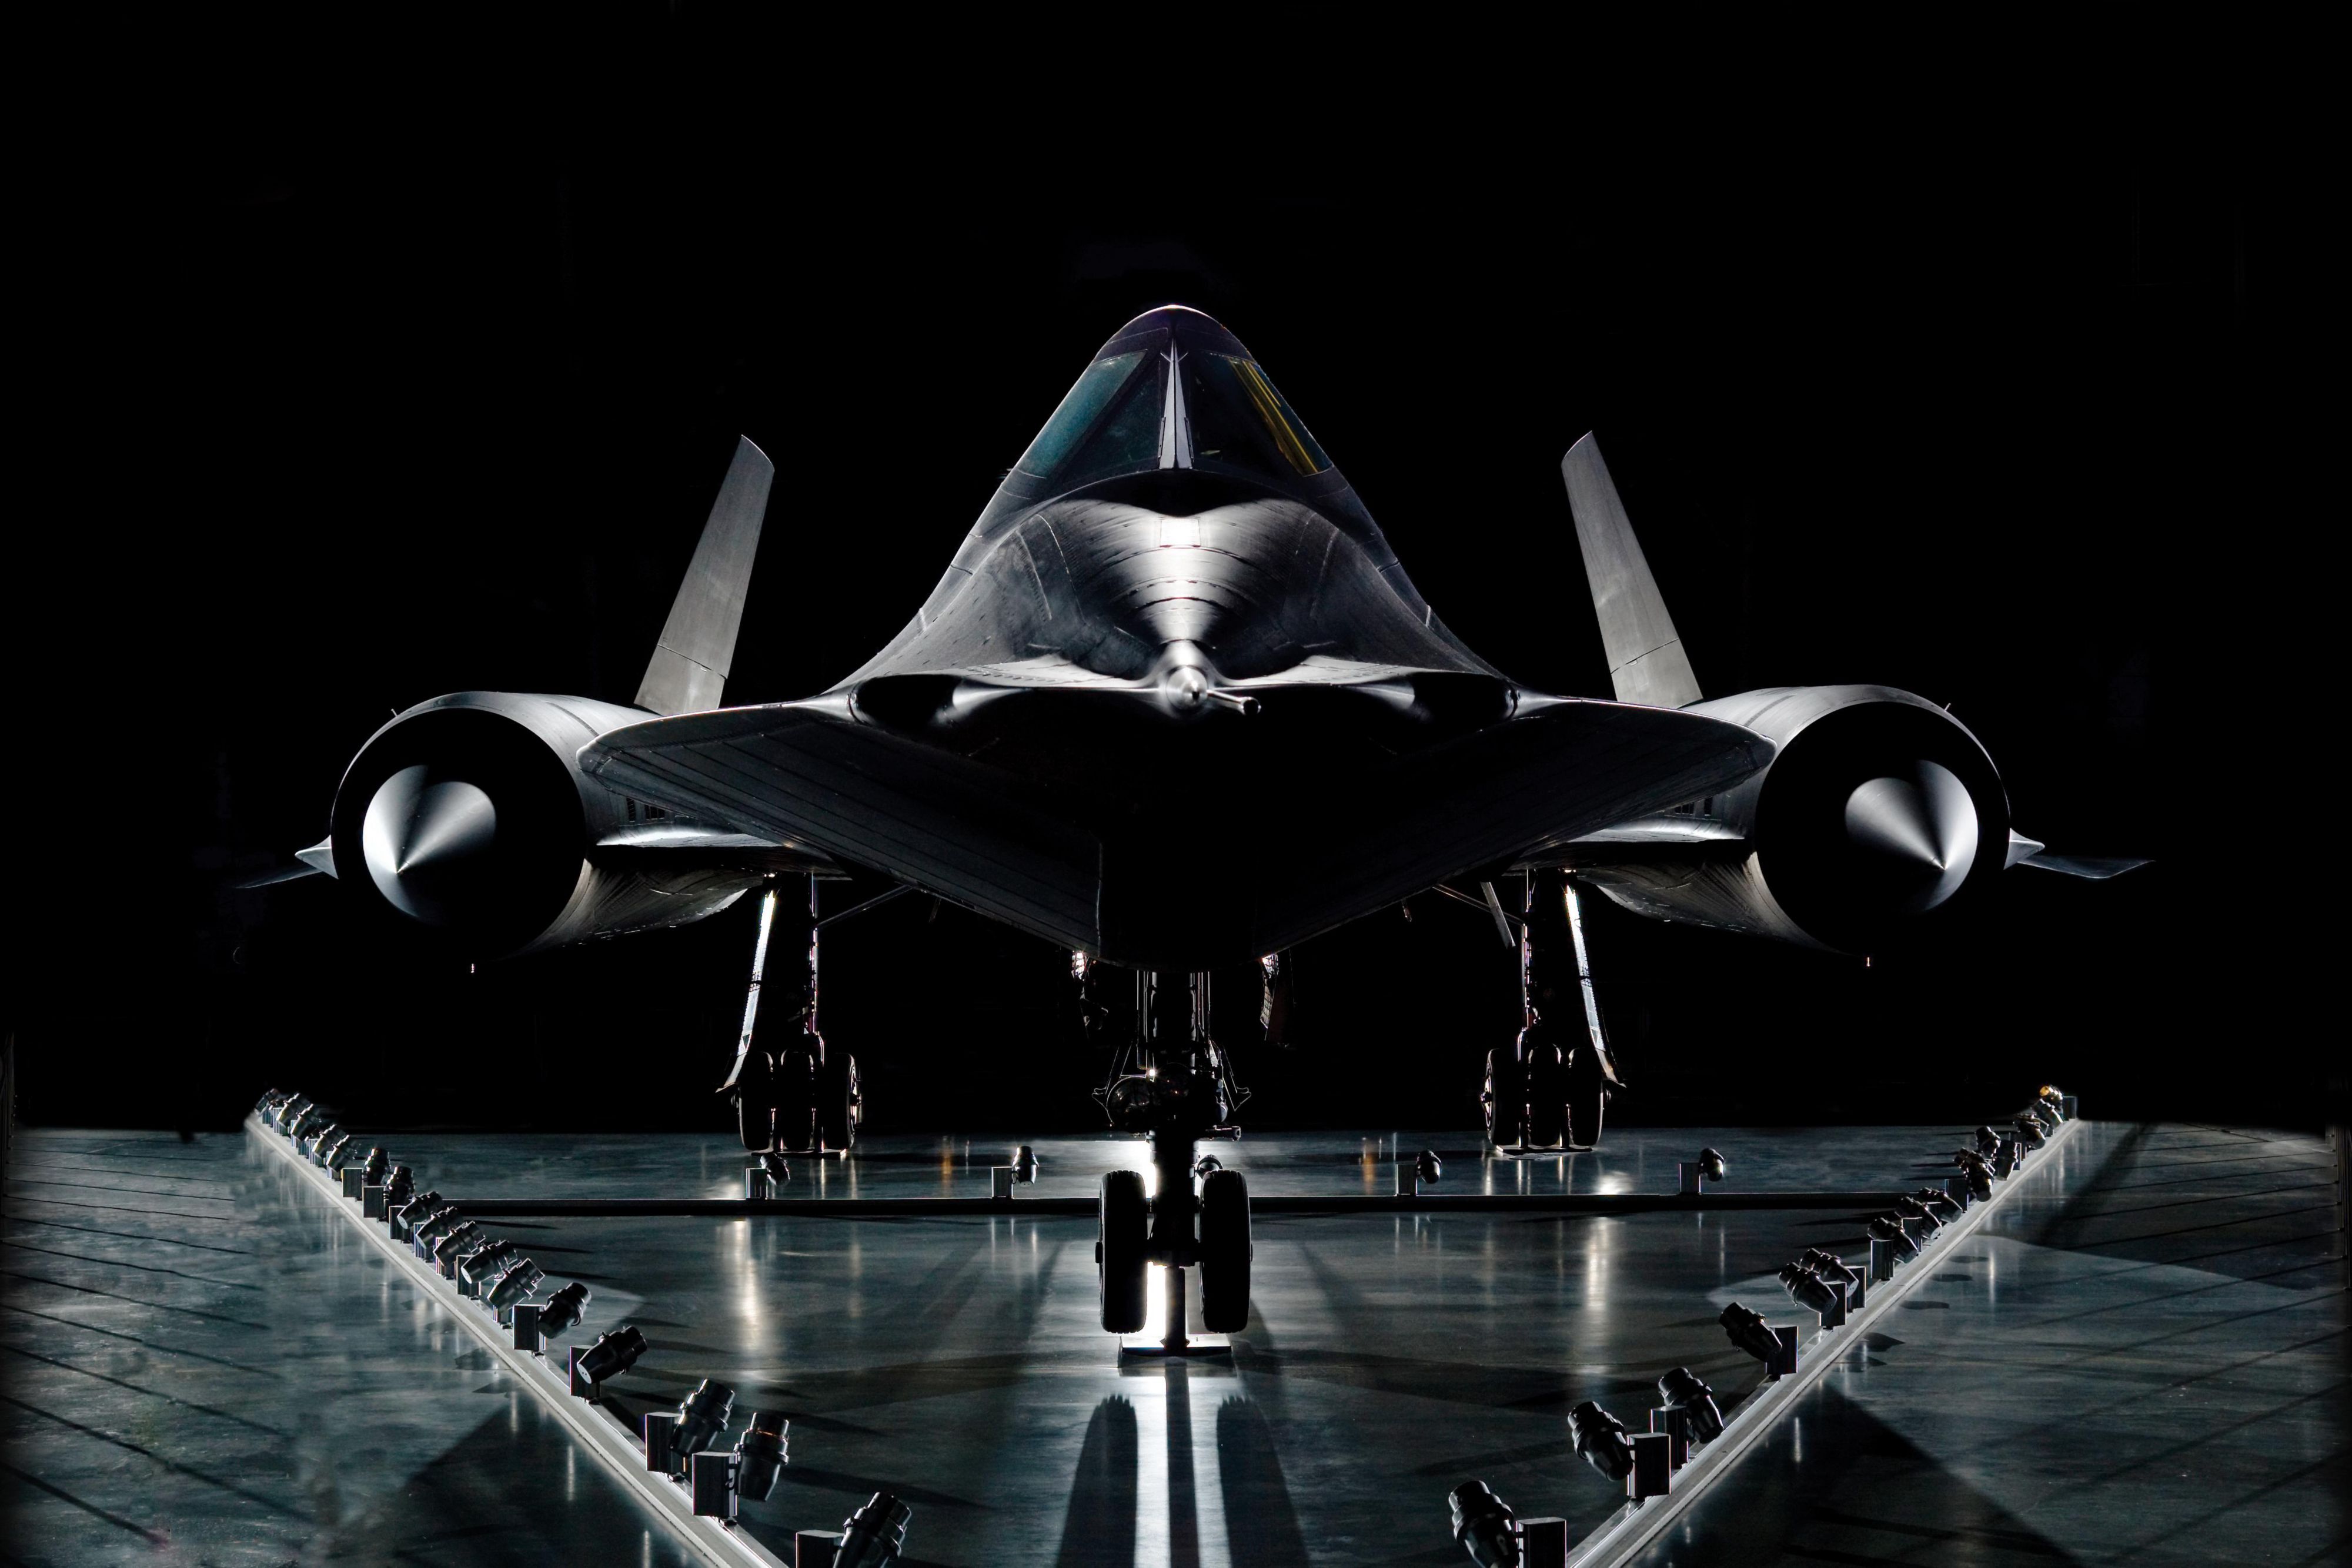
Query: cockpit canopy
1173, 390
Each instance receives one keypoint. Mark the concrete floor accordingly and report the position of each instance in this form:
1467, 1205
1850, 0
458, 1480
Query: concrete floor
250, 1385
2144, 1363
202, 1364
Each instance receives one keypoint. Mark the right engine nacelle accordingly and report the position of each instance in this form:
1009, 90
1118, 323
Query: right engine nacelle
1880, 808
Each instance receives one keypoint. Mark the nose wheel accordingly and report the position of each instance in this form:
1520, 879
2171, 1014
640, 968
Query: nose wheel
1207, 1233
1174, 1084
1224, 1252
1123, 1250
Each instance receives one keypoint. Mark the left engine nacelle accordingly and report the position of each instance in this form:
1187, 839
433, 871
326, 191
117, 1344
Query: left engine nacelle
1878, 809
468, 815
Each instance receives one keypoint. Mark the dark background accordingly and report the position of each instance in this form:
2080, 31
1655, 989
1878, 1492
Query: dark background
364, 386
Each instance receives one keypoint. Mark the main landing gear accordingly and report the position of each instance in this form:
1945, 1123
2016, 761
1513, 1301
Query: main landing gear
1547, 1093
1173, 1083
803, 1099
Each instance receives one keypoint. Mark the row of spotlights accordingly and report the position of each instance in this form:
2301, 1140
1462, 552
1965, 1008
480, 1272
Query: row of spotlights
872, 1537
1484, 1525
494, 1269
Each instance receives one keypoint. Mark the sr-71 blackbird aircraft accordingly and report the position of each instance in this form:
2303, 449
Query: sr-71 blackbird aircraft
1173, 623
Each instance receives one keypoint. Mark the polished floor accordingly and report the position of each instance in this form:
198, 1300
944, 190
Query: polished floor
2143, 1364
2139, 1359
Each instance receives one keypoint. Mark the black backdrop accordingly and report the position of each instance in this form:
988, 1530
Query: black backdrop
362, 394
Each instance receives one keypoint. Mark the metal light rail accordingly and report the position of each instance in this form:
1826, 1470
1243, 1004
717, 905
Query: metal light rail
1611, 1203
1638, 1524
618, 1450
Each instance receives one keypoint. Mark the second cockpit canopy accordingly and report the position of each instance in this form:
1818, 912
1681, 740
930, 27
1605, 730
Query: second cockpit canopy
1173, 390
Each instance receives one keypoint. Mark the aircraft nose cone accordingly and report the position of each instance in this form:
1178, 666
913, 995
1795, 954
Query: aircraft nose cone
1186, 688
421, 835
1921, 827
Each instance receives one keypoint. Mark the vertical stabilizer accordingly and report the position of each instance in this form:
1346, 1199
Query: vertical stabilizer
688, 673
1646, 661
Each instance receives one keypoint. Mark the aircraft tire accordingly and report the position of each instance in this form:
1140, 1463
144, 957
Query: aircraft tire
1547, 1099
796, 1101
1124, 1230
1225, 1252
1588, 1098
755, 1102
837, 1099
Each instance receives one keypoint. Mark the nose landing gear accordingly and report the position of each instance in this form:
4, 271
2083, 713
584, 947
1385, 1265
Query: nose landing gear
1173, 1083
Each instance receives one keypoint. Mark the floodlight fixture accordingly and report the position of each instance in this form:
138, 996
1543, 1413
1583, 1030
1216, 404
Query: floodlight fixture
701, 1416
1987, 1141
261, 1106
615, 1351
1207, 1166
453, 1242
1425, 1167
2031, 1131
1711, 1164
487, 1262
1749, 1332
1601, 1439
399, 1183
343, 1152
562, 1309
1482, 1525
1025, 1164
519, 1281
1833, 1268
1890, 1230
439, 1218
1976, 1172
2054, 1103
378, 1161
760, 1455
1809, 1289
410, 1209
1682, 1390
1940, 1202
1911, 1208
875, 1535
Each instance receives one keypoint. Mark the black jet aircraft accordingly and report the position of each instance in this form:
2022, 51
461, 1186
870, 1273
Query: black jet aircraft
1175, 706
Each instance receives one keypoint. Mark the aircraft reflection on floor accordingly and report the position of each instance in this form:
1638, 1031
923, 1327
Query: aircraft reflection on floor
1208, 1497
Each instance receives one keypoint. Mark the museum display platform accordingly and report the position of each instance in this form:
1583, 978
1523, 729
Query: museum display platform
2134, 1353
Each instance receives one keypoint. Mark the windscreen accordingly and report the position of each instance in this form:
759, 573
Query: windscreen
1240, 420
1109, 422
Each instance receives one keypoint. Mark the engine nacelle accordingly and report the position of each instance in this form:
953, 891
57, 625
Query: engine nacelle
1879, 808
469, 815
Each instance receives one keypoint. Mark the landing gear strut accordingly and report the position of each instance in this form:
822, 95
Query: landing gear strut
1172, 1082
803, 1099
1547, 1093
